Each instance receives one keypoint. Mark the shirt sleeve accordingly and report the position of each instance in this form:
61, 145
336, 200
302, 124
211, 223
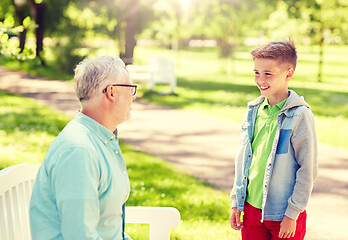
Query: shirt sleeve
75, 181
127, 237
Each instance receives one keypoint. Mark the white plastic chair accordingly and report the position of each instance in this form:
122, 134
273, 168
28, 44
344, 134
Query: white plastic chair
16, 184
158, 71
161, 219
162, 71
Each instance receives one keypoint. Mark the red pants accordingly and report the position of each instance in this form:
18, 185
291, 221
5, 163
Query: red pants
254, 229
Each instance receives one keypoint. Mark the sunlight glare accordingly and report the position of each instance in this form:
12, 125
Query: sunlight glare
185, 4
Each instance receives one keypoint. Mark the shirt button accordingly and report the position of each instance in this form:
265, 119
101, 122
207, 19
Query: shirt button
106, 141
124, 171
112, 137
116, 152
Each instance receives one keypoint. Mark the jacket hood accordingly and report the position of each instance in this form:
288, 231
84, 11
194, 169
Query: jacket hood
293, 101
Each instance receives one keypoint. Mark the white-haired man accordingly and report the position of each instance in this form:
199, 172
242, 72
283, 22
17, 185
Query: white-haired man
82, 185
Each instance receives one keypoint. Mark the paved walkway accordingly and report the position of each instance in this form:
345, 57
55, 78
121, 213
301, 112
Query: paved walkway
204, 146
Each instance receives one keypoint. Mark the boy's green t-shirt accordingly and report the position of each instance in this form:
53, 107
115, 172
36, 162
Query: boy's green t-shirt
264, 133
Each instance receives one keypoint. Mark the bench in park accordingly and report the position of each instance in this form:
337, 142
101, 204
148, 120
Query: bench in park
158, 71
16, 184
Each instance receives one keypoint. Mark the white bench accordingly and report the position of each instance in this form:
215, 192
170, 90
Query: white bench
158, 71
16, 184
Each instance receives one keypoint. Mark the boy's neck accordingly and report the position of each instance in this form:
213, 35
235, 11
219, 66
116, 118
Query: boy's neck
278, 99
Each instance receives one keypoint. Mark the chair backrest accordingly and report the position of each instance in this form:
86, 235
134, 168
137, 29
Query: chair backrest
16, 184
162, 70
161, 220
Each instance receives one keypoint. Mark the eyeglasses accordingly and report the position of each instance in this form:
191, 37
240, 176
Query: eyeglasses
133, 88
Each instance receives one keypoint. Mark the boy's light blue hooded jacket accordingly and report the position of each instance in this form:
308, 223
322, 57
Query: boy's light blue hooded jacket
291, 166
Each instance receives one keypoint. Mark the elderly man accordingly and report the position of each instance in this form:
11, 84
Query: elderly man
82, 185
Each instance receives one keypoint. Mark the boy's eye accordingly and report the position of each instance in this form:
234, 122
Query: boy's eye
268, 74
257, 73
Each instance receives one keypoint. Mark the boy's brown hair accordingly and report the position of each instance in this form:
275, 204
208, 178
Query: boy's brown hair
285, 51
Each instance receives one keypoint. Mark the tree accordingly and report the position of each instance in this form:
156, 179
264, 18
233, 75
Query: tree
37, 9
325, 22
126, 29
21, 13
14, 22
130, 18
44, 13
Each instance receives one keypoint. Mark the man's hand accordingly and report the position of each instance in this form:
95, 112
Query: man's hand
236, 224
287, 228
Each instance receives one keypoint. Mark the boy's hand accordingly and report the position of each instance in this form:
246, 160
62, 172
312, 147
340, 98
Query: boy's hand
236, 224
287, 228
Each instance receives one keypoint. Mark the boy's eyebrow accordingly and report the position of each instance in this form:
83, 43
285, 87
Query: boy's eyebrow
255, 70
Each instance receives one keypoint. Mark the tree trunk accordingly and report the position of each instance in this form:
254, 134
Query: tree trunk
131, 25
22, 35
225, 52
321, 57
38, 13
225, 48
22, 40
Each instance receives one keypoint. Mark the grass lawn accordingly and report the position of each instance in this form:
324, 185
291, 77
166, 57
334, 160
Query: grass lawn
34, 68
27, 129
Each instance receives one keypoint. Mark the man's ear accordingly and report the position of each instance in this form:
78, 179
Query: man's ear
109, 94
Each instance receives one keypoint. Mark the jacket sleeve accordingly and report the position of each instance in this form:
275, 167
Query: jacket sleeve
233, 196
239, 159
304, 142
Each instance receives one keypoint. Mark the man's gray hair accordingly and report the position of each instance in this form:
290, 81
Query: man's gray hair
93, 75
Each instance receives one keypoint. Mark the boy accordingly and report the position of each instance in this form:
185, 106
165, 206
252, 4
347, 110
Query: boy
276, 165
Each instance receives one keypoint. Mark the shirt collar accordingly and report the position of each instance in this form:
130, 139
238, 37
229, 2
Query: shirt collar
99, 130
265, 104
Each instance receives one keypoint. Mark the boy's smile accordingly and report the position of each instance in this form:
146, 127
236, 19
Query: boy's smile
272, 78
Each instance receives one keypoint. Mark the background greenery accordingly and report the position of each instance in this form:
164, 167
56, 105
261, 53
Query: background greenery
77, 28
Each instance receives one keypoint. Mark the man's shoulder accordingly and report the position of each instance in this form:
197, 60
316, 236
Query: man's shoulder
75, 132
68, 149
74, 136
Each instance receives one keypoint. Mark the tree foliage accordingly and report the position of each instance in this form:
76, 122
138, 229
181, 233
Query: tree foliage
325, 22
70, 23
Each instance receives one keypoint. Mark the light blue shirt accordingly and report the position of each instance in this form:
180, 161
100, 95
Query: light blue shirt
81, 186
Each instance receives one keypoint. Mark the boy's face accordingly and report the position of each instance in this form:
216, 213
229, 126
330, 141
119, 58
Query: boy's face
272, 78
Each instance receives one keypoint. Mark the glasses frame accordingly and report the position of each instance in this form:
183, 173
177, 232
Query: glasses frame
123, 85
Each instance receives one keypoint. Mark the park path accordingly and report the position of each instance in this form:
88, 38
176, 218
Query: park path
203, 146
